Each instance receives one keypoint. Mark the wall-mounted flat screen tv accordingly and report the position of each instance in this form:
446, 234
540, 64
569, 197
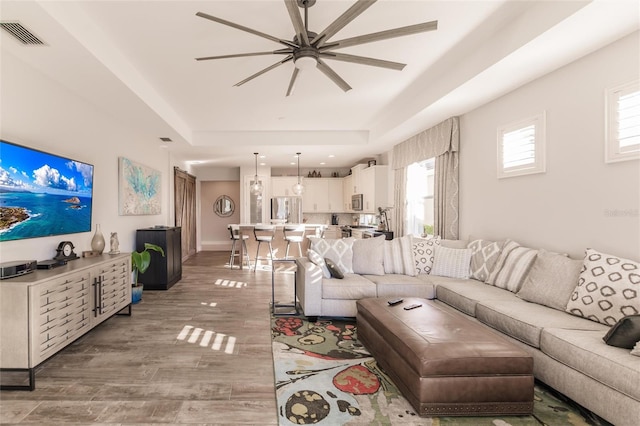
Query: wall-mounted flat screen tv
42, 194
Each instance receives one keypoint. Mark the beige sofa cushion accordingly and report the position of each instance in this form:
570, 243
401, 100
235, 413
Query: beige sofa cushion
585, 352
351, 287
464, 295
396, 285
524, 321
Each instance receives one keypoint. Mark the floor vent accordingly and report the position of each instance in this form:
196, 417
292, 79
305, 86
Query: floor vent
23, 35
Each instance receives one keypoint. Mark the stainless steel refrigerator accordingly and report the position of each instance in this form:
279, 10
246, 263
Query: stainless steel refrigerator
287, 209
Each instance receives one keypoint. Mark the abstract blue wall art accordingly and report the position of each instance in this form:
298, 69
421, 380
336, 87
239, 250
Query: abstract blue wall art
139, 189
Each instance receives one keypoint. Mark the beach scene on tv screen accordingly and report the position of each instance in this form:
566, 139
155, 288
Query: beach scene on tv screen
42, 194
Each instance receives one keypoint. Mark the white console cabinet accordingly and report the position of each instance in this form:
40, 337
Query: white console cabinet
44, 311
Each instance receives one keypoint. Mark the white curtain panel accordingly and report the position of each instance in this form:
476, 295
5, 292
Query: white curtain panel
442, 142
400, 202
446, 196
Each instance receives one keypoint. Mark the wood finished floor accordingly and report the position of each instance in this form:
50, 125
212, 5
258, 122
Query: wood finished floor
154, 367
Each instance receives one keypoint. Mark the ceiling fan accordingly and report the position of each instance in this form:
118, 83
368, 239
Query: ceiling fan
308, 49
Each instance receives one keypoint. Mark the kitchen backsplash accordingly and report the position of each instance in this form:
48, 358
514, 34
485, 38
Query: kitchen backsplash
343, 218
325, 218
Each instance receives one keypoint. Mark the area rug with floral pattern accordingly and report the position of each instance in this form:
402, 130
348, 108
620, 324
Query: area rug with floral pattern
325, 377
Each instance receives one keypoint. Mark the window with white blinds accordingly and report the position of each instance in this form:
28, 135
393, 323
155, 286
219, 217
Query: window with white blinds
521, 147
623, 123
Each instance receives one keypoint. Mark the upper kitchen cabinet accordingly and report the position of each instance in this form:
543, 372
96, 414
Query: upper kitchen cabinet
347, 192
335, 195
282, 186
374, 183
322, 195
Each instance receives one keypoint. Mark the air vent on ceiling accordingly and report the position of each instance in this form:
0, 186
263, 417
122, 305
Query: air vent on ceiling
164, 139
23, 35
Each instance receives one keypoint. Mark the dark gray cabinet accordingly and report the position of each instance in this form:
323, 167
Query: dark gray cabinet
164, 271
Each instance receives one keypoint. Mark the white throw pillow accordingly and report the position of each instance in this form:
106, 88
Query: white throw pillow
316, 259
368, 256
398, 256
423, 252
636, 350
607, 288
453, 263
340, 251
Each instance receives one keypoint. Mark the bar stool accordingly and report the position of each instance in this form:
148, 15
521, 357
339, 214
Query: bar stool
293, 234
264, 234
234, 231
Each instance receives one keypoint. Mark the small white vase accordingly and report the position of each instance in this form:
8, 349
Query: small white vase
97, 242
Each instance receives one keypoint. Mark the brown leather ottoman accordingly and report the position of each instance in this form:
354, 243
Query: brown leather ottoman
444, 363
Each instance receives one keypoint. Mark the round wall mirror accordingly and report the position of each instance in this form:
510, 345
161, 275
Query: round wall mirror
224, 206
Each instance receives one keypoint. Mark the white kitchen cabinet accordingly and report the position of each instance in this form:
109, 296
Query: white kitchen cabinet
335, 195
44, 311
374, 183
322, 195
347, 192
315, 196
282, 186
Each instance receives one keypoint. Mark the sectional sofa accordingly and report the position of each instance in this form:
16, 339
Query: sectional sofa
558, 309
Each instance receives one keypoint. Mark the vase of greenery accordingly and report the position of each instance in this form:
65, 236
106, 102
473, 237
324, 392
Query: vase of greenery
140, 262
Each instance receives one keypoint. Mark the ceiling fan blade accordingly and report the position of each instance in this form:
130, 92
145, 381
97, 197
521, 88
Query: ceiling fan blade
240, 55
352, 13
267, 69
383, 35
363, 60
333, 76
296, 20
247, 29
292, 83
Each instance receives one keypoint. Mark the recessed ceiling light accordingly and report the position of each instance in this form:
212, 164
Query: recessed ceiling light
292, 163
263, 164
331, 156
263, 156
322, 163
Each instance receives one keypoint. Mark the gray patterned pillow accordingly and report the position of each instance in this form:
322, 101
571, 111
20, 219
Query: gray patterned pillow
340, 251
484, 255
316, 259
423, 252
607, 288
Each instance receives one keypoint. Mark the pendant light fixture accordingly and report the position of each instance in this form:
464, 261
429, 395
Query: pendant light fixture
298, 188
256, 188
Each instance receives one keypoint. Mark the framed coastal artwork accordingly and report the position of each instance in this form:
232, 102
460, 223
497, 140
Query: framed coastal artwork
139, 188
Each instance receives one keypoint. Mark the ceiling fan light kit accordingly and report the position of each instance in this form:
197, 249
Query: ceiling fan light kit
308, 49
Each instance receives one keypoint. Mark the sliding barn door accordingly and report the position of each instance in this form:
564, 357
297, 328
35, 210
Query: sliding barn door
185, 210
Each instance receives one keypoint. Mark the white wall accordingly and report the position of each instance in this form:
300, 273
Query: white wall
40, 113
580, 201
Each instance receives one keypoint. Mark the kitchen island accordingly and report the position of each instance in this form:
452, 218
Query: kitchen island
279, 244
